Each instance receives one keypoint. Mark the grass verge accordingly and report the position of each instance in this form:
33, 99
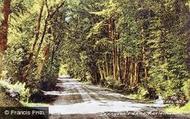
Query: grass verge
178, 110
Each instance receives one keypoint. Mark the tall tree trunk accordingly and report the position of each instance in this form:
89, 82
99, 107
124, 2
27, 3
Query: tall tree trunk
104, 70
119, 65
131, 74
37, 31
145, 64
135, 74
127, 71
38, 26
124, 71
114, 62
101, 72
144, 56
4, 31
112, 33
106, 65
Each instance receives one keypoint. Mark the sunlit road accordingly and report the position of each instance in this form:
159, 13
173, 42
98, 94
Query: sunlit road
79, 101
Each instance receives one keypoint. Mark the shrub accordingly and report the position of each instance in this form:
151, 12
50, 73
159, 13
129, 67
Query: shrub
166, 88
115, 84
186, 88
18, 87
142, 92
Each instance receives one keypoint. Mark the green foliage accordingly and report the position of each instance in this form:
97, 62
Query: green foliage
1, 17
142, 92
166, 88
114, 84
63, 70
15, 58
146, 35
18, 87
186, 88
179, 110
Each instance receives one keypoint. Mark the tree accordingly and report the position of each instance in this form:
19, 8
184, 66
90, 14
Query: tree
4, 31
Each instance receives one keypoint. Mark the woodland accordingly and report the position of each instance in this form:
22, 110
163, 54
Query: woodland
139, 47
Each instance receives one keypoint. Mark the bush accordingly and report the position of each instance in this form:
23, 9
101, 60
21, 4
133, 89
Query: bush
178, 99
186, 89
166, 88
115, 84
142, 92
18, 87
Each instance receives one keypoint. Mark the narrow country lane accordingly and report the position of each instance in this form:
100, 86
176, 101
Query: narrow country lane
79, 101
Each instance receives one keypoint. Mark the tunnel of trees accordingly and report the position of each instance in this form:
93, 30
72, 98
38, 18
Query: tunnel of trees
130, 45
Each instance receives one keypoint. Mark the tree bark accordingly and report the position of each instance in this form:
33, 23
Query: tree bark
131, 74
124, 71
101, 72
119, 66
106, 65
38, 27
111, 30
4, 31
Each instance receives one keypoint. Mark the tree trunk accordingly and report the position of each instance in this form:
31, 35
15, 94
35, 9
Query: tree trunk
101, 72
127, 74
114, 48
4, 32
135, 73
37, 31
38, 27
106, 65
145, 64
131, 74
104, 70
119, 66
124, 71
